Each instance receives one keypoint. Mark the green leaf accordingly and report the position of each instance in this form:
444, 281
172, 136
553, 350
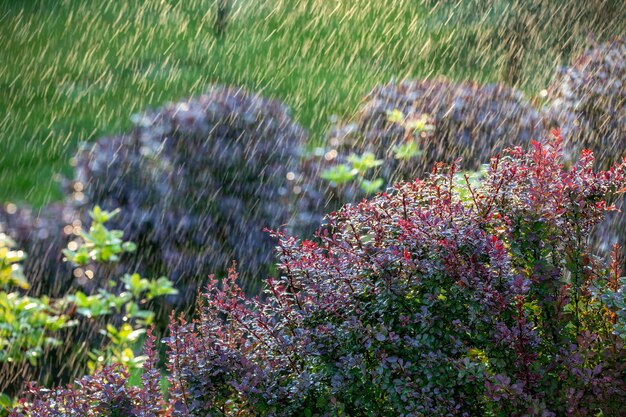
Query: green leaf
371, 187
407, 150
129, 247
364, 162
419, 125
339, 174
6, 402
101, 216
161, 286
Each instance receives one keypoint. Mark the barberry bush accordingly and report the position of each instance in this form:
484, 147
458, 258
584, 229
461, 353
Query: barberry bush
445, 296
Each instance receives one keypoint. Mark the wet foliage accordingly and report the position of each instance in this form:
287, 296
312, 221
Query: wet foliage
104, 394
469, 121
436, 298
30, 326
43, 234
106, 322
421, 303
588, 101
296, 108
197, 182
472, 122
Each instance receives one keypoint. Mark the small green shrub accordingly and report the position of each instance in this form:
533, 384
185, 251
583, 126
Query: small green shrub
101, 245
356, 166
105, 327
27, 324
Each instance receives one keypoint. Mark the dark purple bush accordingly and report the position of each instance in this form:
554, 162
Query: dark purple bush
470, 120
588, 102
197, 181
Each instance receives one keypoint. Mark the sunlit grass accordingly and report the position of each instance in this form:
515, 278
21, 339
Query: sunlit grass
72, 70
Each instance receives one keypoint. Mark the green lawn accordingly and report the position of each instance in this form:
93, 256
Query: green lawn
72, 70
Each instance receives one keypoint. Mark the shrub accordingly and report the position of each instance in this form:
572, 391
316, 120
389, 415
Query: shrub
588, 101
444, 296
123, 301
421, 302
468, 120
197, 181
29, 326
34, 331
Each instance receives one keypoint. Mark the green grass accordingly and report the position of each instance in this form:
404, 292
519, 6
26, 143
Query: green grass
73, 70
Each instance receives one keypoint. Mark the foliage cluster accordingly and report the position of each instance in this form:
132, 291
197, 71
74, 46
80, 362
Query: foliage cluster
438, 297
197, 181
29, 326
123, 300
27, 323
469, 120
34, 330
410, 125
355, 166
588, 101
106, 393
